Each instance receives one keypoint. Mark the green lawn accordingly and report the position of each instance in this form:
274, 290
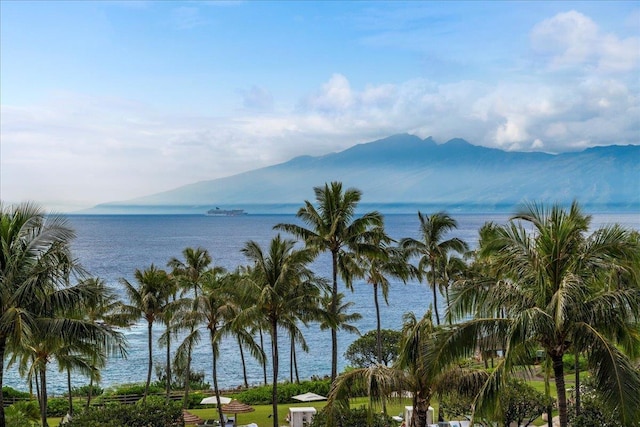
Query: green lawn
261, 414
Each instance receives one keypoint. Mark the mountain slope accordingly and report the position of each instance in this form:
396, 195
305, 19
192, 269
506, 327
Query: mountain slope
406, 169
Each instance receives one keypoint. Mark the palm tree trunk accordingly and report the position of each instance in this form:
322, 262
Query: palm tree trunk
244, 365
3, 342
577, 369
334, 308
547, 389
150, 363
187, 377
295, 364
168, 370
274, 357
69, 389
558, 372
43, 395
421, 411
378, 327
291, 350
264, 364
435, 295
214, 375
90, 392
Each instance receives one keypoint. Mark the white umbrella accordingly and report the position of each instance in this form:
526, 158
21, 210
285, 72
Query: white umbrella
211, 400
308, 397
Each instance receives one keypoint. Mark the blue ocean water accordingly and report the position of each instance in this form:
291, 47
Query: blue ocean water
114, 246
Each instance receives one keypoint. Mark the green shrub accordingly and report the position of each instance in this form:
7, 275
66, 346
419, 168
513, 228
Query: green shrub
262, 395
57, 406
84, 390
357, 417
569, 362
137, 388
194, 400
9, 392
155, 414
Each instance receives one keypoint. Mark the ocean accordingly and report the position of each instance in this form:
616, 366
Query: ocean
114, 246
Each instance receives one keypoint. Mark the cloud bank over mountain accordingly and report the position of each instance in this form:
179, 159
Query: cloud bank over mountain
404, 171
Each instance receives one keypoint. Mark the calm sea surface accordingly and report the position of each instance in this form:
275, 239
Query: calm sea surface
113, 247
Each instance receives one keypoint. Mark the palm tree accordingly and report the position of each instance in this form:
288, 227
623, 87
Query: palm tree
339, 319
281, 284
551, 281
217, 308
333, 228
105, 311
414, 370
376, 265
61, 333
148, 300
32, 248
432, 247
188, 273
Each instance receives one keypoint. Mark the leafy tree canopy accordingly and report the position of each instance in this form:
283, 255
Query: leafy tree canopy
362, 352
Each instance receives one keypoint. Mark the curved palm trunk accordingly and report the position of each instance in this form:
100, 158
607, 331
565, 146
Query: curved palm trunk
378, 327
244, 365
378, 337
150, 364
435, 294
334, 307
295, 364
3, 342
274, 357
558, 372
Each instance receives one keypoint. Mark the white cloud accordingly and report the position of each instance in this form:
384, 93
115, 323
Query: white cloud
572, 39
86, 149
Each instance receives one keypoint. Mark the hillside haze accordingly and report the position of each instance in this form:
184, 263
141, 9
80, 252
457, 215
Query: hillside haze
405, 170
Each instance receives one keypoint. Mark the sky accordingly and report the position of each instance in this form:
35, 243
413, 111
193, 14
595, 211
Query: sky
112, 100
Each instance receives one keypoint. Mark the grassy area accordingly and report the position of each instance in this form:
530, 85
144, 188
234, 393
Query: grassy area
261, 415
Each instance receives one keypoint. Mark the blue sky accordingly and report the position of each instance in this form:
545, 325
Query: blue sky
104, 101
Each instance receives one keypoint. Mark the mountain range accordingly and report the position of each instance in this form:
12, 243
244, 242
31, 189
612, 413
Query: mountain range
404, 172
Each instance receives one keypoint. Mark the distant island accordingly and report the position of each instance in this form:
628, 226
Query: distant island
403, 173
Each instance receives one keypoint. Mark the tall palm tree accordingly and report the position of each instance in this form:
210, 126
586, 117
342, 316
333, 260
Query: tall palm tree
148, 300
32, 247
333, 228
376, 265
188, 274
281, 284
551, 280
217, 308
432, 247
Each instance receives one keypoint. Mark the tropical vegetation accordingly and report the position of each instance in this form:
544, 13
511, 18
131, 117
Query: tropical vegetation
543, 288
